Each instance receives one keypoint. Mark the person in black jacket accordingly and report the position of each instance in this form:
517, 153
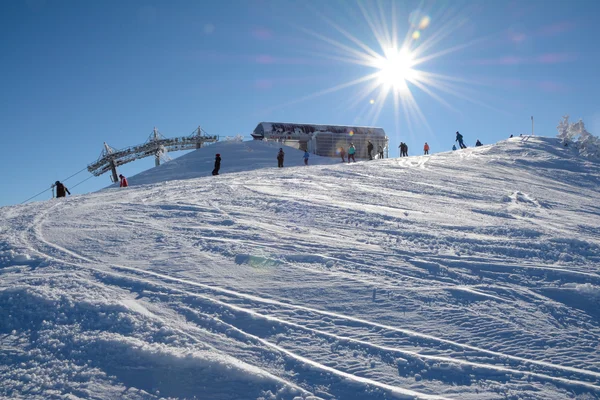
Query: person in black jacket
370, 149
61, 190
217, 165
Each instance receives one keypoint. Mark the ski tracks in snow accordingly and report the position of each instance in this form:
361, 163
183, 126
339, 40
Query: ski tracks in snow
340, 346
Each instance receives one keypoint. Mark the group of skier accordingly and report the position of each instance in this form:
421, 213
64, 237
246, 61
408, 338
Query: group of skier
370, 150
351, 153
62, 191
281, 156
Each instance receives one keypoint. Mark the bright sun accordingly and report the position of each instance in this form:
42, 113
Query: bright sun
395, 69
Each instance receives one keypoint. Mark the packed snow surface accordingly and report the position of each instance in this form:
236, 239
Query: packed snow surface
471, 274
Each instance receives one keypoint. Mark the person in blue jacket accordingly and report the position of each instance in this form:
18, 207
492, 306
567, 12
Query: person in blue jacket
453, 147
351, 151
305, 156
459, 139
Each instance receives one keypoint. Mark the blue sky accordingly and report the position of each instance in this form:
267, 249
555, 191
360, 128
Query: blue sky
75, 74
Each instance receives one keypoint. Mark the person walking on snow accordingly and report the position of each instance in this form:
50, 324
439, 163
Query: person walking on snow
405, 151
351, 151
217, 165
370, 149
61, 189
306, 155
380, 151
426, 148
459, 139
280, 156
123, 181
343, 154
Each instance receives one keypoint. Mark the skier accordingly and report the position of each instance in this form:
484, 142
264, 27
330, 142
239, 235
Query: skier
280, 156
217, 165
426, 148
61, 189
370, 149
343, 154
453, 147
306, 155
478, 143
459, 139
401, 147
405, 151
123, 181
380, 151
351, 151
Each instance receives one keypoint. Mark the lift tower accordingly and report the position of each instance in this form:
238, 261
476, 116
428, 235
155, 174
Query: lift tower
156, 145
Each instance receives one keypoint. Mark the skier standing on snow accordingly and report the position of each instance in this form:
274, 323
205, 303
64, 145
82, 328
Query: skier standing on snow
217, 165
124, 182
351, 151
280, 156
380, 151
306, 155
61, 189
426, 149
459, 139
370, 149
343, 154
405, 150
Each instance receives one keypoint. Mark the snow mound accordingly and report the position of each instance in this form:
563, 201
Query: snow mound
235, 157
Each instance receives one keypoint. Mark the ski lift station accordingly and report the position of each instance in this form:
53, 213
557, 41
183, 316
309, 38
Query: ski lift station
323, 140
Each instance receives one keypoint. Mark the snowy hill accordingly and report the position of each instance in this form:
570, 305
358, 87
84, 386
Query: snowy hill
463, 275
236, 157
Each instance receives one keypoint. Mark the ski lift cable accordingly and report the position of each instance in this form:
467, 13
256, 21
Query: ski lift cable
33, 197
88, 178
44, 191
76, 173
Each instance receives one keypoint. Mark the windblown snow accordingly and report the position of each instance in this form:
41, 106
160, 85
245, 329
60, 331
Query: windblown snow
470, 274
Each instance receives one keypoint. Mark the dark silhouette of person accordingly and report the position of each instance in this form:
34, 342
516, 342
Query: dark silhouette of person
217, 165
61, 190
280, 157
370, 149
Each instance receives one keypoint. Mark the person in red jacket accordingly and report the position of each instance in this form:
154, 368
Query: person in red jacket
123, 181
426, 148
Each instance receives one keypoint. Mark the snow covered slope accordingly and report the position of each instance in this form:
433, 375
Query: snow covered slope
464, 275
236, 157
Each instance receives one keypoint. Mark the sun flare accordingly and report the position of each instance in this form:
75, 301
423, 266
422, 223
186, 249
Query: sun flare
401, 62
395, 69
